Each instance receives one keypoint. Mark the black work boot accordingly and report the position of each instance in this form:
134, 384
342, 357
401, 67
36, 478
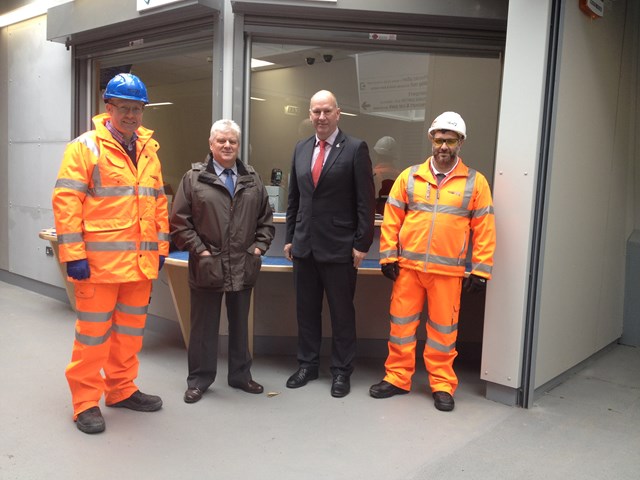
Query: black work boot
140, 402
90, 421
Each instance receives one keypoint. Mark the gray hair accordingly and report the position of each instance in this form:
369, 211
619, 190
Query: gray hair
224, 125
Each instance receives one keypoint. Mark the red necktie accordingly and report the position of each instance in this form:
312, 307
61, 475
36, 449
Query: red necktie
317, 167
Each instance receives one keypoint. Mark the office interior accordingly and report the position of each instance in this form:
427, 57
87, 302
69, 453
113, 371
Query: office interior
549, 95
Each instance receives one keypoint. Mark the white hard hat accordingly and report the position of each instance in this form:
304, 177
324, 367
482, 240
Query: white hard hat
449, 121
386, 146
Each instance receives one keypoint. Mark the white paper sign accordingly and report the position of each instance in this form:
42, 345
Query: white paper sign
393, 84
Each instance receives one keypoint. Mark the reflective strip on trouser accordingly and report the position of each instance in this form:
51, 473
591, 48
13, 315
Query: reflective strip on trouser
407, 299
109, 329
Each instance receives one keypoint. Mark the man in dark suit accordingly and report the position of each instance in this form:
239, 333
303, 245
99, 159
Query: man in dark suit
330, 220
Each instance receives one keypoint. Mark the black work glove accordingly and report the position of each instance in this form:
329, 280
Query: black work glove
161, 259
474, 283
390, 270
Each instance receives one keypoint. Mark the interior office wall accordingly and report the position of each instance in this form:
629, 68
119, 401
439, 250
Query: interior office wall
470, 86
581, 296
38, 106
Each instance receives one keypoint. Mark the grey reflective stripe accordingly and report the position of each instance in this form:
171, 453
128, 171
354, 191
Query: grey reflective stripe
442, 328
440, 260
112, 191
152, 246
411, 184
468, 189
72, 185
124, 330
441, 348
437, 259
165, 237
94, 316
69, 238
110, 246
149, 192
132, 310
451, 210
483, 211
402, 340
93, 341
481, 267
405, 320
88, 141
396, 203
388, 254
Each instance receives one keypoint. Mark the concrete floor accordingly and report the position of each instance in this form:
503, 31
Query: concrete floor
586, 428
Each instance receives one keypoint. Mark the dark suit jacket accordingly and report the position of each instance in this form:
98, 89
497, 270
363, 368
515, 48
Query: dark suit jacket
339, 213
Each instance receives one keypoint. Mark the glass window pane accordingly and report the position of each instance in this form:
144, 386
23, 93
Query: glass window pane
387, 98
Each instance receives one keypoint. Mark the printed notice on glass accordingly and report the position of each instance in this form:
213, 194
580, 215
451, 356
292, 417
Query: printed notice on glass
393, 84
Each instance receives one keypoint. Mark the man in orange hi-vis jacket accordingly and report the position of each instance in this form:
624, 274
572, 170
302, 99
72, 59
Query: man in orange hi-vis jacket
435, 212
113, 233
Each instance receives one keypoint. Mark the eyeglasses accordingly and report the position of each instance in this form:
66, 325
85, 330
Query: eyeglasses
122, 110
451, 142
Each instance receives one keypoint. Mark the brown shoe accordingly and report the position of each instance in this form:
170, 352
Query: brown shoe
192, 395
249, 387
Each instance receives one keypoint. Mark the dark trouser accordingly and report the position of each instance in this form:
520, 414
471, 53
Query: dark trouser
203, 340
338, 280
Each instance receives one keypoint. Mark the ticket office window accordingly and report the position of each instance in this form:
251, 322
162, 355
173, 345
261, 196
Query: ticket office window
387, 98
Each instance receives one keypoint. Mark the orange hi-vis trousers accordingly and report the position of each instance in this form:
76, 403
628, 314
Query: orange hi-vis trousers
109, 331
443, 305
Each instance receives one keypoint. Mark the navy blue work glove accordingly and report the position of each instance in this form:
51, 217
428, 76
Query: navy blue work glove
78, 269
161, 262
474, 283
390, 270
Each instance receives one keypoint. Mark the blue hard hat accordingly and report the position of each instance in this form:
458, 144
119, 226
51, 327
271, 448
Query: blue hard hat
126, 86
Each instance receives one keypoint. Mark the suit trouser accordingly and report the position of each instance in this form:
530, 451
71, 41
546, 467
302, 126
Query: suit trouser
338, 280
203, 339
443, 304
109, 331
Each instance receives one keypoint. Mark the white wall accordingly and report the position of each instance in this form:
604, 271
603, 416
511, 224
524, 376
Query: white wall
39, 111
581, 296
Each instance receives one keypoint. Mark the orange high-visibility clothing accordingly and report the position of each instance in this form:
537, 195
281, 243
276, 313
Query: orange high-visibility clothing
428, 230
427, 227
114, 214
109, 331
442, 293
109, 211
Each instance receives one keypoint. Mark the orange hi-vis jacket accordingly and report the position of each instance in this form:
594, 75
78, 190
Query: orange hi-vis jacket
108, 210
427, 228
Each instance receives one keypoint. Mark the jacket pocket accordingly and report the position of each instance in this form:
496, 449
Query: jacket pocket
252, 264
343, 223
206, 271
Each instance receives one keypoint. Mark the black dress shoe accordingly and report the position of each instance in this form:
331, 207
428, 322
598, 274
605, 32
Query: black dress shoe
192, 395
341, 386
302, 377
385, 389
249, 387
443, 401
140, 402
90, 421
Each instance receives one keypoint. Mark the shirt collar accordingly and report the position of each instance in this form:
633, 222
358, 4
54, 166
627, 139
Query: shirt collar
331, 139
435, 171
219, 168
120, 138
